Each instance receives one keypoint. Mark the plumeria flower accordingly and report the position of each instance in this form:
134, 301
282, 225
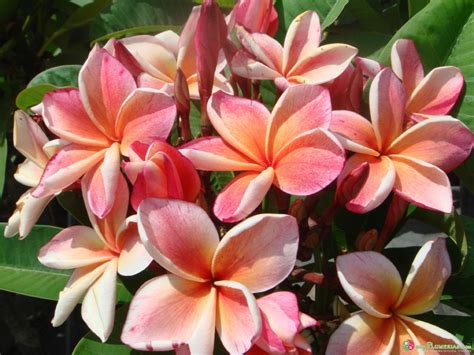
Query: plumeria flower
160, 56
255, 16
300, 60
384, 324
412, 163
211, 282
31, 142
289, 148
97, 254
281, 324
160, 170
101, 120
432, 95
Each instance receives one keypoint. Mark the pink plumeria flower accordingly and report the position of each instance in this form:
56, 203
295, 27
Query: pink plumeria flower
160, 56
101, 120
160, 170
255, 16
300, 60
432, 95
384, 323
97, 254
412, 163
281, 324
211, 282
289, 148
31, 142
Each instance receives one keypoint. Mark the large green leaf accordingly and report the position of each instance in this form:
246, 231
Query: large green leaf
414, 6
466, 172
63, 75
368, 17
444, 32
33, 95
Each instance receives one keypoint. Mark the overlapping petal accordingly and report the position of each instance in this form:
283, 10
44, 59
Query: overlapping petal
407, 64
29, 139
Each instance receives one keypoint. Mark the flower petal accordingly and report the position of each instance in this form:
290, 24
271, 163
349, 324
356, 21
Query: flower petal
422, 184
406, 64
168, 312
242, 195
245, 66
146, 115
29, 139
378, 185
300, 109
370, 280
259, 252
242, 123
28, 173
133, 257
425, 281
387, 107
441, 141
238, 318
363, 334
186, 251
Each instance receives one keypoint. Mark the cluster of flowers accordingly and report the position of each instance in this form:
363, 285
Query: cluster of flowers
111, 134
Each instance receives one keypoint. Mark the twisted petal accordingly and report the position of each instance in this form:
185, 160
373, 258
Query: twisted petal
29, 139
259, 252
406, 64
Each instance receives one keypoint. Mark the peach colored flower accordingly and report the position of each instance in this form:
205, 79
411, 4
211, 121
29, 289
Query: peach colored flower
289, 148
97, 254
211, 282
301, 59
100, 120
384, 323
412, 163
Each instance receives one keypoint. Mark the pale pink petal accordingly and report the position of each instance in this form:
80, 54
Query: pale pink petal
101, 182
441, 141
363, 334
66, 167
98, 306
369, 68
169, 40
28, 138
406, 64
145, 80
119, 51
220, 84
168, 312
133, 257
245, 66
370, 280
355, 133
422, 184
79, 282
300, 109
212, 153
302, 38
378, 185
323, 64
308, 163
104, 84
242, 123
242, 195
146, 115
238, 318
387, 107
426, 278
28, 173
253, 15
196, 237
259, 252
437, 93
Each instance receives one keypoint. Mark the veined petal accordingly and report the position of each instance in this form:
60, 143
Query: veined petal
437, 93
212, 153
259, 252
98, 306
242, 123
441, 141
196, 238
168, 312
387, 107
300, 109
238, 318
242, 195
425, 281
422, 184
245, 66
65, 116
370, 280
406, 64
378, 185
363, 334
29, 139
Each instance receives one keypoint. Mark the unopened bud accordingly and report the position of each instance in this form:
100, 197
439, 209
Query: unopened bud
366, 241
351, 185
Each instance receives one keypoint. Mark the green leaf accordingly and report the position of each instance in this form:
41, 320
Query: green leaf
64, 75
369, 18
444, 32
73, 202
33, 95
414, 6
466, 172
219, 179
3, 163
461, 327
222, 3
